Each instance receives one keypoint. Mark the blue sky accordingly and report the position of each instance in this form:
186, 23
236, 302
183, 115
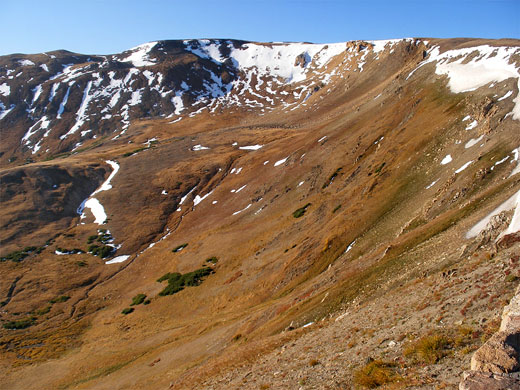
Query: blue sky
111, 26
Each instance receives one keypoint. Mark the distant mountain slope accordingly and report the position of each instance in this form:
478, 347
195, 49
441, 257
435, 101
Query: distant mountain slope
229, 214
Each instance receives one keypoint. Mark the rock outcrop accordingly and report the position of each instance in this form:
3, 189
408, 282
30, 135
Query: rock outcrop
496, 365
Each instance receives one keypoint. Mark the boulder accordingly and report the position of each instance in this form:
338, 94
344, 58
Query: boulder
498, 355
475, 380
508, 240
511, 316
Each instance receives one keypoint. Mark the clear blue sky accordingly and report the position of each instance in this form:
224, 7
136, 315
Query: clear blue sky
111, 26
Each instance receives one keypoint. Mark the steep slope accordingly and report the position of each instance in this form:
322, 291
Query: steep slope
312, 181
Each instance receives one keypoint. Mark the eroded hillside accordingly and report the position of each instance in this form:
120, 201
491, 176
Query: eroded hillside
266, 215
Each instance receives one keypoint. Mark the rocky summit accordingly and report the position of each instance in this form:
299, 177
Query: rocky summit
222, 214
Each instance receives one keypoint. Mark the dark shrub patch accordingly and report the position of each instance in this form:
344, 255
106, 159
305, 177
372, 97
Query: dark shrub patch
43, 311
61, 298
212, 260
331, 178
127, 310
101, 251
179, 248
18, 256
177, 281
19, 324
299, 212
138, 299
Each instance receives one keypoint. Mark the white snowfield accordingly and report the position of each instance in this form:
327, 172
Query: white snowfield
265, 70
277, 59
488, 64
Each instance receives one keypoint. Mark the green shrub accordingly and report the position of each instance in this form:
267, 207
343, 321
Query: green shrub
101, 251
61, 298
19, 324
179, 248
301, 211
138, 299
336, 208
127, 310
177, 281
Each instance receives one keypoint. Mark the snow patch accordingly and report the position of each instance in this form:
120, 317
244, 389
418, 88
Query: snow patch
473, 141
280, 162
185, 196
26, 63
118, 259
81, 115
97, 210
464, 167
431, 184
199, 147
244, 209
140, 55
93, 204
5, 89
505, 96
251, 147
199, 199
446, 160
472, 125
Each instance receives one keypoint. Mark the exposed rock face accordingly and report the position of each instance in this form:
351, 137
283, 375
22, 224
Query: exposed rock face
302, 60
508, 240
475, 380
496, 365
496, 224
511, 316
498, 355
